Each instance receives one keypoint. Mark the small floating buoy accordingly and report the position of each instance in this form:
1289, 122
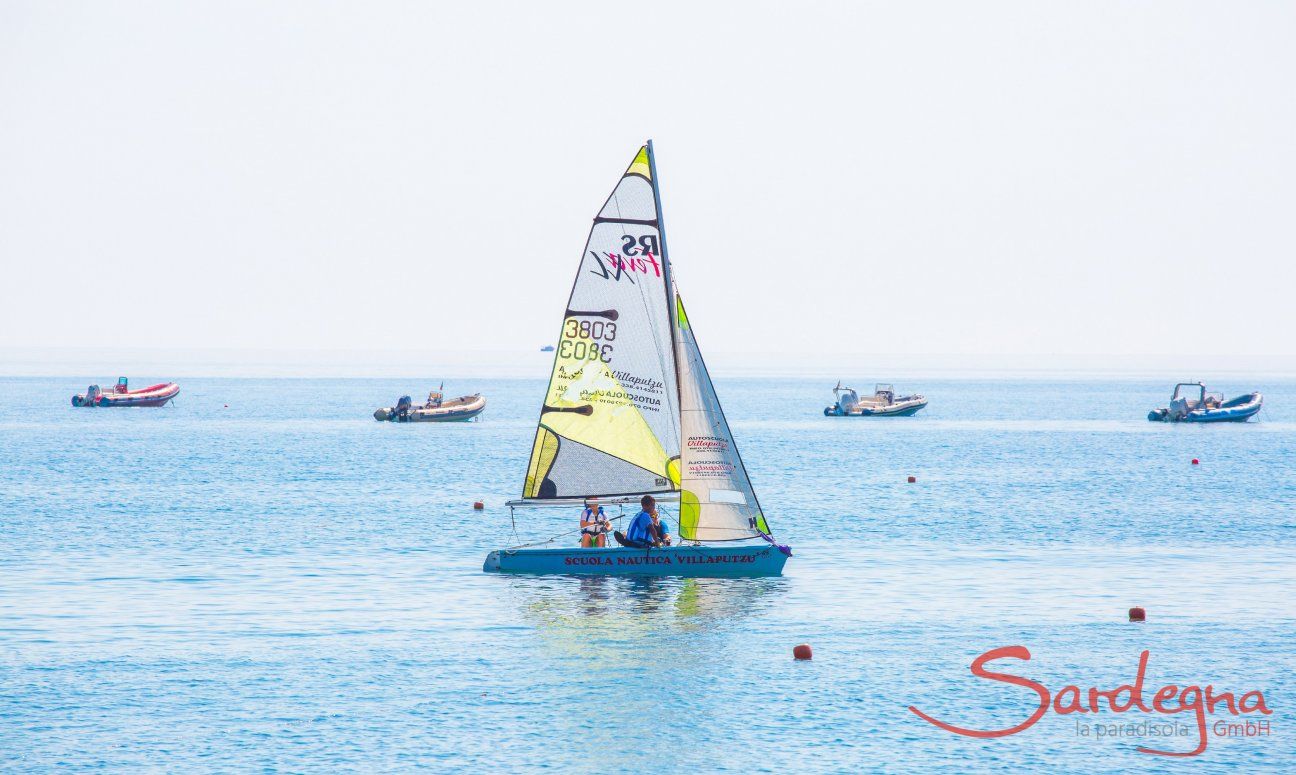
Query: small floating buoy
1137, 614
227, 406
478, 505
801, 652
913, 479
1196, 461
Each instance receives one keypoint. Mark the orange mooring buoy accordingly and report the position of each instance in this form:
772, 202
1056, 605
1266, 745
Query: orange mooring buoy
1196, 461
1137, 614
801, 652
478, 505
913, 479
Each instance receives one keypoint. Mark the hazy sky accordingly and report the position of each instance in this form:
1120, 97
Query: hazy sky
892, 178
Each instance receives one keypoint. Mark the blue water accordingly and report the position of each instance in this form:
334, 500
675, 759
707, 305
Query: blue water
285, 584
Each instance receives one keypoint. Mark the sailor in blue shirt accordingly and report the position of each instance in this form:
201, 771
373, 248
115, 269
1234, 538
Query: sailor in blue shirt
641, 534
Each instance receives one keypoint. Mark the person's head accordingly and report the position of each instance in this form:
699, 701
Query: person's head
592, 504
649, 505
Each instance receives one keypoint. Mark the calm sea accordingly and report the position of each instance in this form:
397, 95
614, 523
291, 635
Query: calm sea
262, 577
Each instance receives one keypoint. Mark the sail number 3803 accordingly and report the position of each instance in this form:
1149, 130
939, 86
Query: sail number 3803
587, 340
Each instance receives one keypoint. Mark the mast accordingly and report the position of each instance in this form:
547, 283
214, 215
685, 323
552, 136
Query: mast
667, 280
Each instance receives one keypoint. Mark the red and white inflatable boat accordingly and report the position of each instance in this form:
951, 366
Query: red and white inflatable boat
153, 395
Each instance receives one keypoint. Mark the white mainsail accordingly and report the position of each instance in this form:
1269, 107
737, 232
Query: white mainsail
610, 420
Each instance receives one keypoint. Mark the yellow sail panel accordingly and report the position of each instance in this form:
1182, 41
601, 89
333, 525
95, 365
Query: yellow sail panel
588, 405
542, 456
689, 513
640, 165
601, 446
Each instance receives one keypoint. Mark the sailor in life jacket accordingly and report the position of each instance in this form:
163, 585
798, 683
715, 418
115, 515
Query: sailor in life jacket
594, 524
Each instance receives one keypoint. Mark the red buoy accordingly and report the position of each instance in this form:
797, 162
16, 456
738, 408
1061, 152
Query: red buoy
1137, 614
478, 505
913, 479
1196, 461
801, 652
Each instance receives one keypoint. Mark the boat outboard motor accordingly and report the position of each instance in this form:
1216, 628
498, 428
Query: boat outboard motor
403, 407
847, 400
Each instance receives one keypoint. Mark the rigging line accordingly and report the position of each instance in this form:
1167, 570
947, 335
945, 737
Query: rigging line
706, 541
668, 280
562, 535
576, 499
643, 299
662, 357
666, 375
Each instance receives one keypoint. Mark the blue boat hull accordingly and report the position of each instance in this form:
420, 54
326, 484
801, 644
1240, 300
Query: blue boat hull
458, 416
907, 411
424, 414
1239, 409
1241, 414
692, 561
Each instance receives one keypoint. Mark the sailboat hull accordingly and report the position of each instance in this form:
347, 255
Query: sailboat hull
692, 561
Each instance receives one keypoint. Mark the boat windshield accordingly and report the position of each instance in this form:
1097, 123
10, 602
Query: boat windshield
1193, 390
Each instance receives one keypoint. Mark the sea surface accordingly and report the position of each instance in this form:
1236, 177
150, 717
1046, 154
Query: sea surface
262, 577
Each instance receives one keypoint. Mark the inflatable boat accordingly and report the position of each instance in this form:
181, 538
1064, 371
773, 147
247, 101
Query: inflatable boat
122, 395
437, 409
1191, 403
883, 403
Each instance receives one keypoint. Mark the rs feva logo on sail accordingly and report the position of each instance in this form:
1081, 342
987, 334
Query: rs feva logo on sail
637, 256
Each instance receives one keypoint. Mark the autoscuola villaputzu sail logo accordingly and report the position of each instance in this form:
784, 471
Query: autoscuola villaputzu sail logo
638, 256
708, 443
1169, 700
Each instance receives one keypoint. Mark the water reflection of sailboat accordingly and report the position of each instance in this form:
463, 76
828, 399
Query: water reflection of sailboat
615, 648
701, 602
602, 616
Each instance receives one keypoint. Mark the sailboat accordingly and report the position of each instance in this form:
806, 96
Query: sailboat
630, 411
